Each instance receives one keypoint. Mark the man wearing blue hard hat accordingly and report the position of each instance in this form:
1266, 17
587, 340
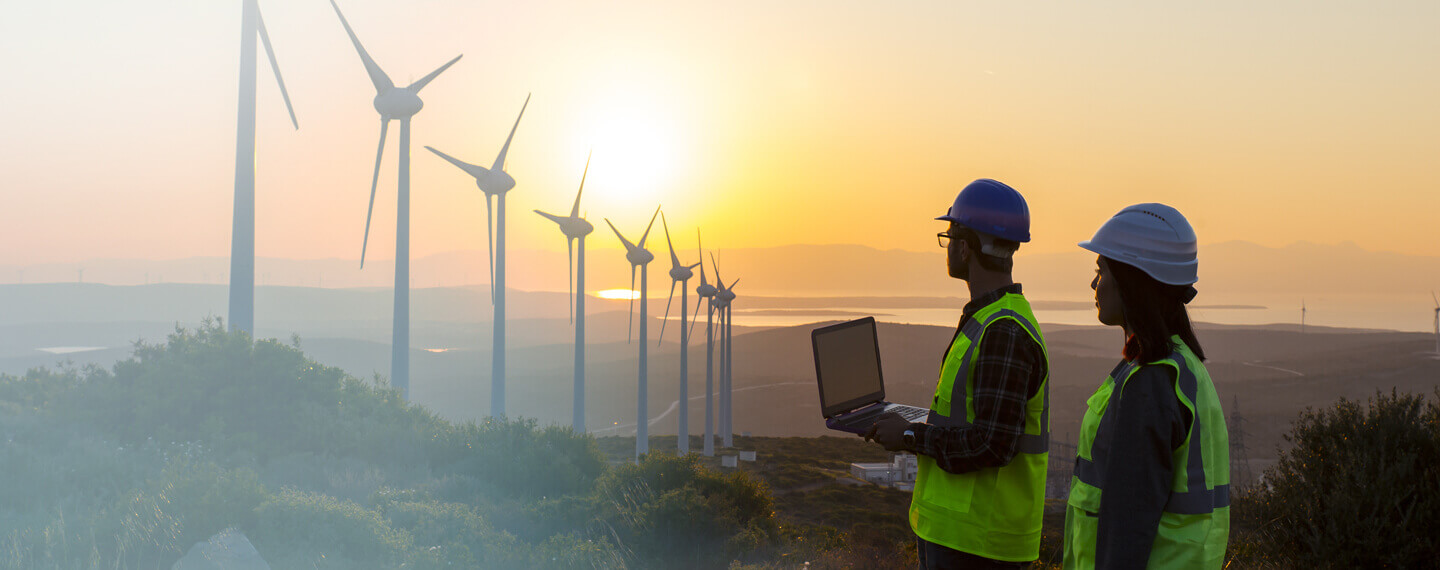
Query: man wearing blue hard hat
983, 449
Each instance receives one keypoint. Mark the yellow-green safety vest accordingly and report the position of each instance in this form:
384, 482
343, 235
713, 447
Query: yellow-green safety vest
994, 512
1195, 524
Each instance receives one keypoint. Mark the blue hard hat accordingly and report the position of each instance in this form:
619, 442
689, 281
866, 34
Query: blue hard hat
990, 207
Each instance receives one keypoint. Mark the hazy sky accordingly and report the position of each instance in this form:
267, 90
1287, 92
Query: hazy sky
764, 123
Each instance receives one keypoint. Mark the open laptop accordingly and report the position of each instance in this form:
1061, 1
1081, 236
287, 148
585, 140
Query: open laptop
847, 370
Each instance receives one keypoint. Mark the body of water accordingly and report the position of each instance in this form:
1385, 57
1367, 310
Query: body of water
1364, 312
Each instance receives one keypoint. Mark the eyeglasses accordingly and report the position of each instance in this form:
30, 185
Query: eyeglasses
944, 239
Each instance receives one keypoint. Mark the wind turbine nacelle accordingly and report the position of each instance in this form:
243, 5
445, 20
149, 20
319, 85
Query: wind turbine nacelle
639, 256
576, 227
398, 103
707, 290
681, 273
495, 182
725, 296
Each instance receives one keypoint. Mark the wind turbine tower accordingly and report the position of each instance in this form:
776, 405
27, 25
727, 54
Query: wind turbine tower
395, 103
1302, 316
576, 228
242, 230
723, 298
638, 256
494, 182
680, 274
706, 292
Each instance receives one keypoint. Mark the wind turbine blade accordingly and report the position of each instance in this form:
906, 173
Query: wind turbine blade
552, 217
732, 284
500, 160
696, 318
274, 66
490, 240
570, 248
674, 260
630, 330
628, 247
474, 170
418, 85
700, 250
716, 266
575, 211
647, 228
1433, 298
377, 75
374, 180
667, 313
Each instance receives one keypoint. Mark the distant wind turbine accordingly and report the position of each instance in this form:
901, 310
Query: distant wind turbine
680, 274
638, 256
242, 229
494, 182
1437, 321
1302, 316
576, 228
706, 292
395, 103
722, 300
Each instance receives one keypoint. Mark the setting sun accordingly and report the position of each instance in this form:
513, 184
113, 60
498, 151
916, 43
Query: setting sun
639, 139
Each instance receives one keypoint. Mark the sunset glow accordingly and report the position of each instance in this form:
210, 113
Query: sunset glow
621, 294
748, 123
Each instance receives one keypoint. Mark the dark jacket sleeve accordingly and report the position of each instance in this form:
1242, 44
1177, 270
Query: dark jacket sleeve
1150, 426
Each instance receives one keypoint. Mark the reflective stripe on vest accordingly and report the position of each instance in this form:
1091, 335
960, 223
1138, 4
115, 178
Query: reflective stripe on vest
960, 396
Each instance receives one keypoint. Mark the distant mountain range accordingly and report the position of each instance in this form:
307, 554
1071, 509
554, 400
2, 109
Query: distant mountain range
1230, 272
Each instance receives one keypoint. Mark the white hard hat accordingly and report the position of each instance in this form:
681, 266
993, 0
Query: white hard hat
1152, 237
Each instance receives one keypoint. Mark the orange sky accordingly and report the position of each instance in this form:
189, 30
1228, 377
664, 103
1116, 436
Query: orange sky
763, 124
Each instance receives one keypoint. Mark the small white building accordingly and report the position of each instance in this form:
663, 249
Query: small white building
899, 473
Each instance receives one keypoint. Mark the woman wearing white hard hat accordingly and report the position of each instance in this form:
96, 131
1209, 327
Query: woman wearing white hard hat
1151, 487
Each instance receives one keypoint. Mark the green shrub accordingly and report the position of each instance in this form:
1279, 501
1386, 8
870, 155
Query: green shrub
298, 529
670, 512
518, 458
1360, 487
207, 498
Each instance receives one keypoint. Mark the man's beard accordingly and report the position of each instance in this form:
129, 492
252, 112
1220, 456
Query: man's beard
958, 269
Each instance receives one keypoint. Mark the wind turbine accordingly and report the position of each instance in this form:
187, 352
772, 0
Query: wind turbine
242, 230
723, 297
680, 274
638, 256
395, 103
1302, 316
1437, 321
706, 292
494, 181
576, 228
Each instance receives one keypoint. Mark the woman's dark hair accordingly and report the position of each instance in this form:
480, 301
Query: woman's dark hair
1154, 311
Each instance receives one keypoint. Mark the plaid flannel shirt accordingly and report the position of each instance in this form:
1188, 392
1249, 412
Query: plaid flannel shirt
1009, 369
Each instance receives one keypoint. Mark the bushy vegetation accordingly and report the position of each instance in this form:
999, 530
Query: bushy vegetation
127, 467
1360, 487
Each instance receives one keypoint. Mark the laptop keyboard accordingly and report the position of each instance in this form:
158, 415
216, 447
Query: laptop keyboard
913, 414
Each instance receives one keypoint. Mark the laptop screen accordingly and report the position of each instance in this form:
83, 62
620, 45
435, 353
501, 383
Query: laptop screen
847, 365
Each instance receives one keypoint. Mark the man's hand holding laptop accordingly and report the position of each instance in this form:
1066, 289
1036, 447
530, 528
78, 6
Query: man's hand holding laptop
889, 432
